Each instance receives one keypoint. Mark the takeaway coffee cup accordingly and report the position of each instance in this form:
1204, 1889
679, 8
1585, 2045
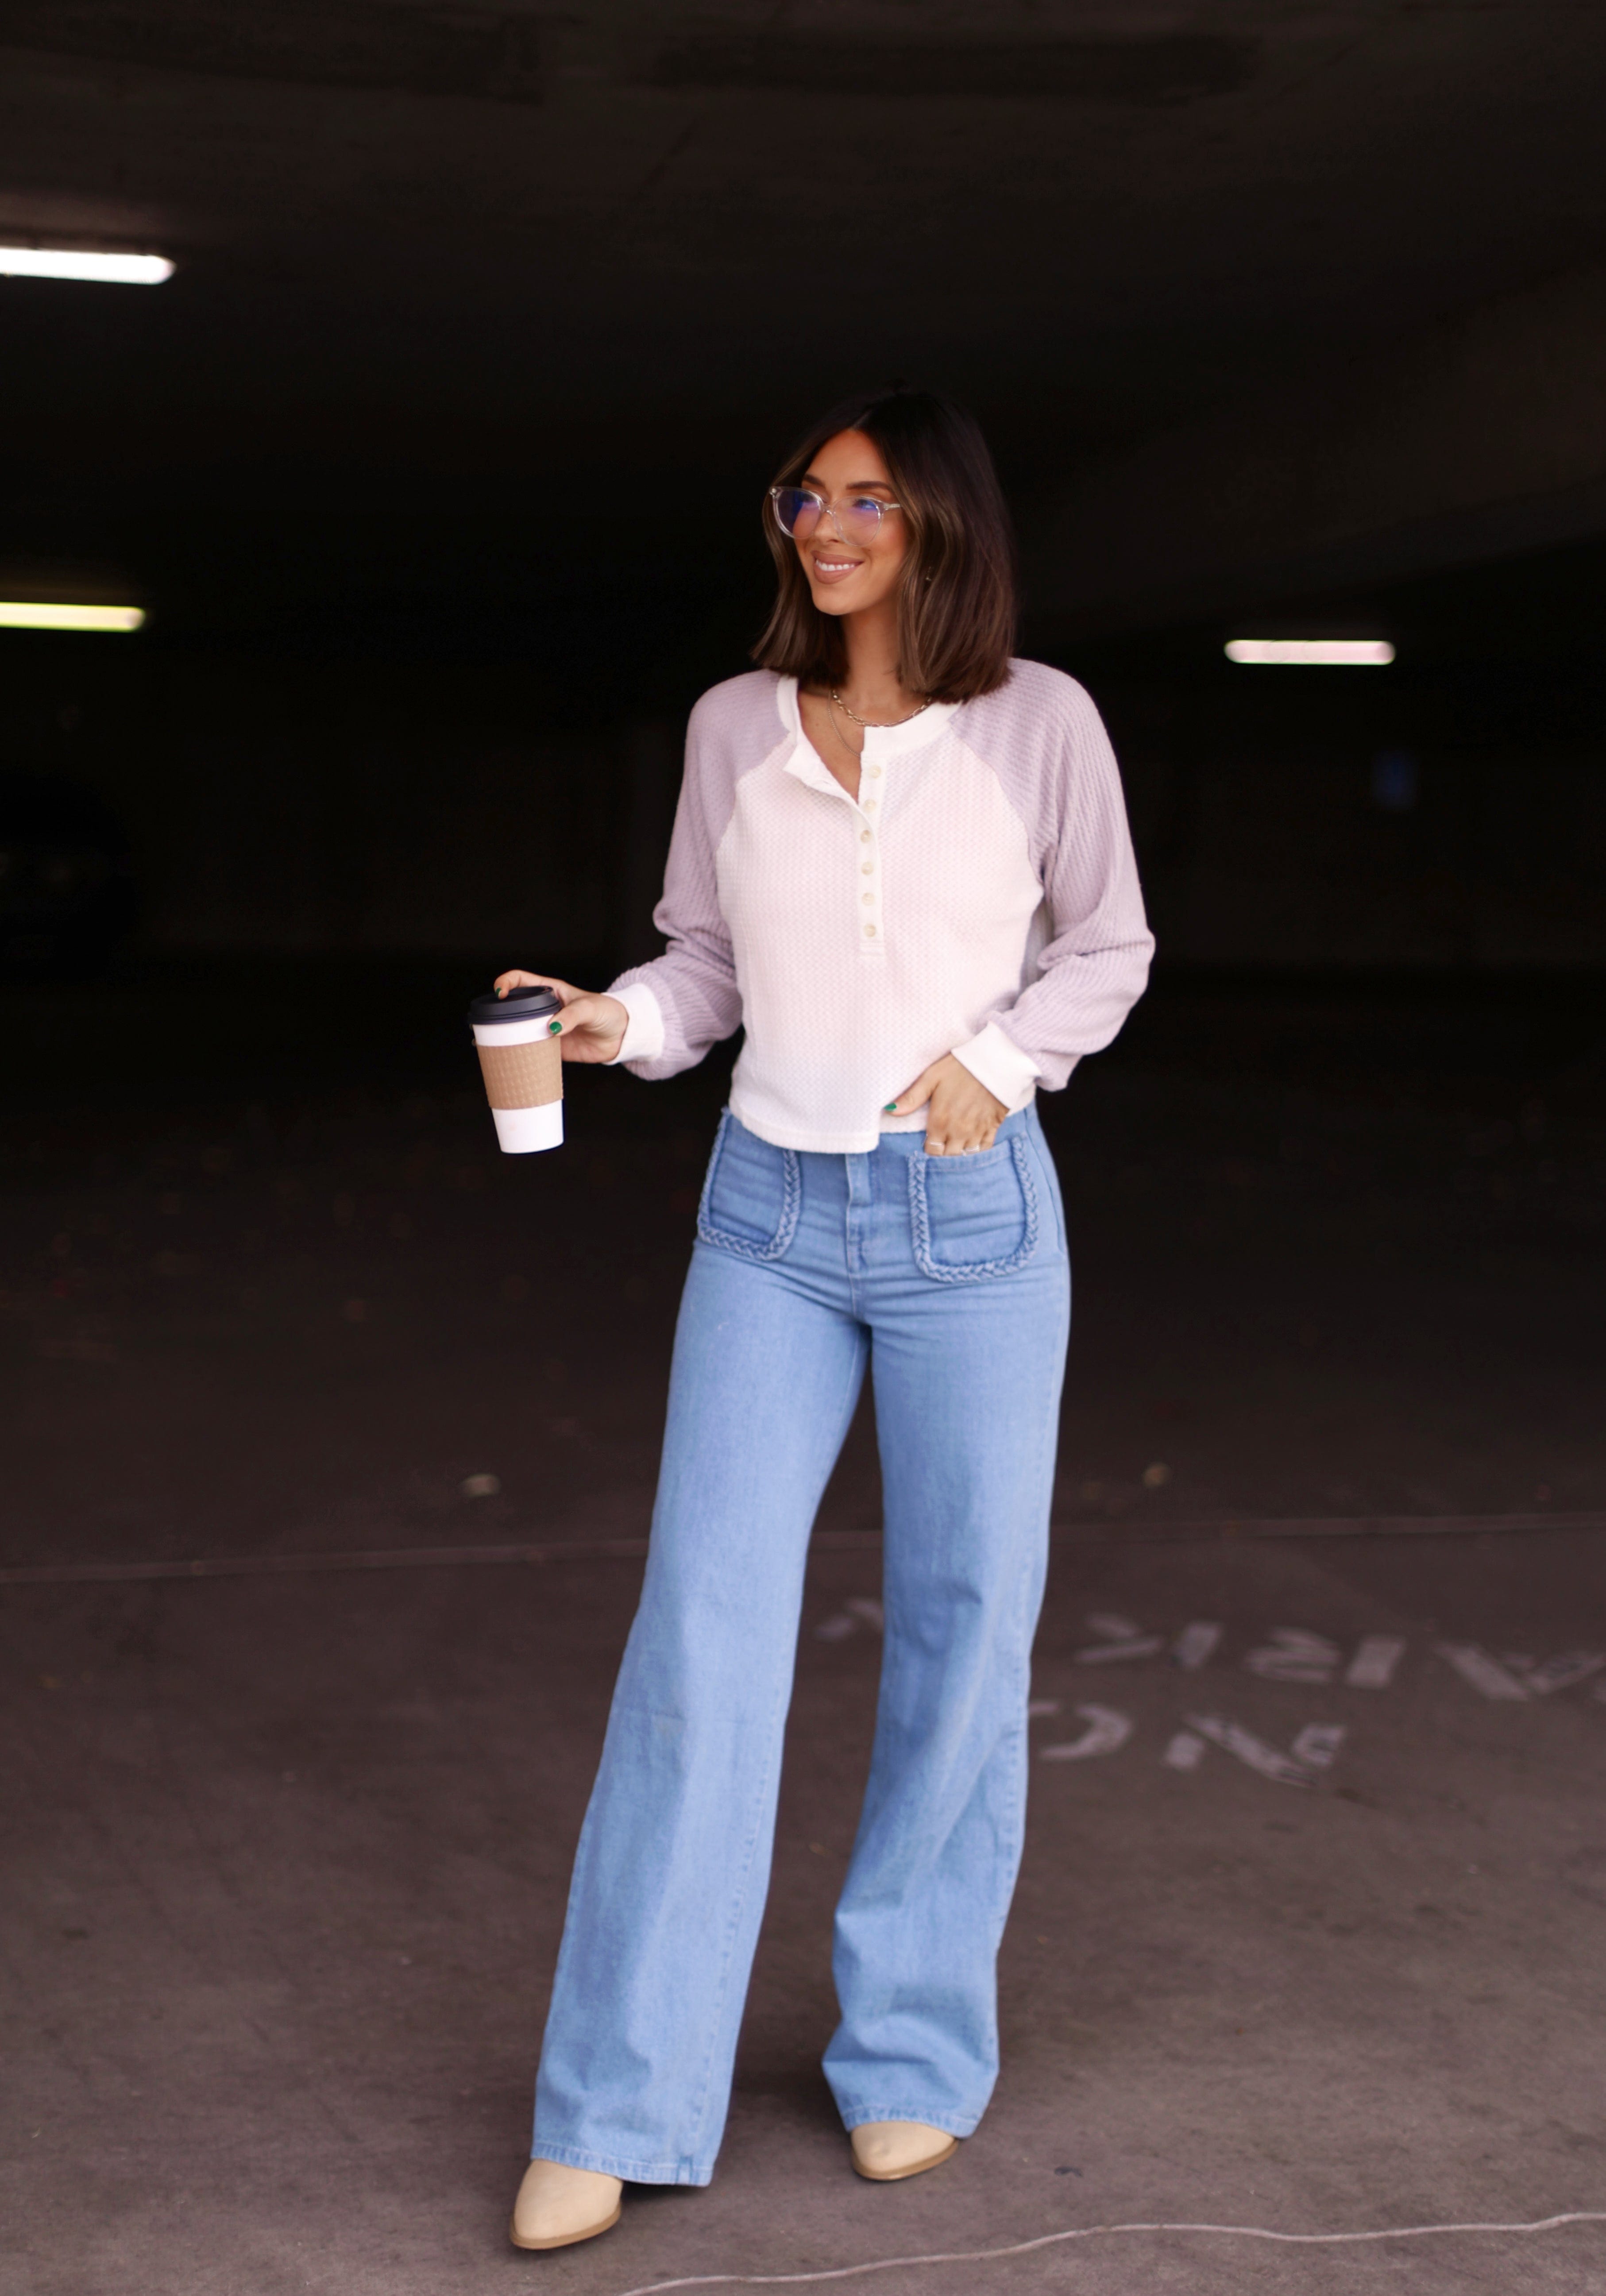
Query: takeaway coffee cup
523, 1067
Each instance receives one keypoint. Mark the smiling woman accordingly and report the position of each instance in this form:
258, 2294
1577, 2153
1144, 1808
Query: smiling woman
901, 866
950, 538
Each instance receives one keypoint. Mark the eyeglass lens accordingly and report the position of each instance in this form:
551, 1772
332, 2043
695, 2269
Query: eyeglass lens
798, 514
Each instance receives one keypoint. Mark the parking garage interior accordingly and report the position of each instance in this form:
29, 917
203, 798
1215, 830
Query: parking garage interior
432, 475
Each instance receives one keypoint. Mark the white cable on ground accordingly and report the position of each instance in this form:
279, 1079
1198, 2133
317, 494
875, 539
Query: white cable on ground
1093, 2232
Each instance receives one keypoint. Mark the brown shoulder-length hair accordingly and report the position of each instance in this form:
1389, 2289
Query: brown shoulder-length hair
956, 603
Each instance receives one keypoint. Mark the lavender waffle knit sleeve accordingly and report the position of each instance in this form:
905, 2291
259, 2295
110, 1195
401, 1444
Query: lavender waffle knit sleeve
687, 1000
1046, 743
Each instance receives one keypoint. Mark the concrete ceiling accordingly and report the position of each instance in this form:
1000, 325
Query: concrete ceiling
497, 240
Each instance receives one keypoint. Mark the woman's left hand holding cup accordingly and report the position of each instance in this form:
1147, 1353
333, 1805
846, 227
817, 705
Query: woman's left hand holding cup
592, 1027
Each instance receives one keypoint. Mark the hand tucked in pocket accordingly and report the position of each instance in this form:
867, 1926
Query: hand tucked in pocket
962, 1116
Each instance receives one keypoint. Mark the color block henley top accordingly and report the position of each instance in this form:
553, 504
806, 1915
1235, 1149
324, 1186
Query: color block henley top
981, 898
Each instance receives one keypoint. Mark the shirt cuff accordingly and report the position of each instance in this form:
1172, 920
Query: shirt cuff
643, 1038
994, 1060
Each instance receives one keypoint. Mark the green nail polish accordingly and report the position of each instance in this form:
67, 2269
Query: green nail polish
554, 1027
890, 1109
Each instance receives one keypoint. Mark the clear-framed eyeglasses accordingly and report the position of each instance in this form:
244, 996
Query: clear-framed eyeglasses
799, 511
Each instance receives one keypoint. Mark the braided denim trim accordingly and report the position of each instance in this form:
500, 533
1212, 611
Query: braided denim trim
792, 1200
972, 1272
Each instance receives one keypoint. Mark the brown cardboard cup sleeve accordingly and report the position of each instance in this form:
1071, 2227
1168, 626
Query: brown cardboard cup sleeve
523, 1076
523, 1083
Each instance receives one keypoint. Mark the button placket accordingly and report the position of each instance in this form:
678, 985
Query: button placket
871, 932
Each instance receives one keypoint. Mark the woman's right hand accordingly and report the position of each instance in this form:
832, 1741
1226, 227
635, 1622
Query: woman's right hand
593, 1026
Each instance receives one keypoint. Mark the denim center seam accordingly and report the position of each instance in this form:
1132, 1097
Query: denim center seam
858, 1217
973, 1271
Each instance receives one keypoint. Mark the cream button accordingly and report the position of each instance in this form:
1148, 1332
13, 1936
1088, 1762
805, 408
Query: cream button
864, 837
870, 896
870, 805
874, 772
867, 868
870, 929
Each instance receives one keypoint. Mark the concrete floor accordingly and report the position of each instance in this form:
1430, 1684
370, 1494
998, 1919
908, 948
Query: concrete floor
286, 1849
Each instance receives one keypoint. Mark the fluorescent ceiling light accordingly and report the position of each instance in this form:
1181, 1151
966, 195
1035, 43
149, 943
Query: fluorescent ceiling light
82, 263
15, 614
1341, 653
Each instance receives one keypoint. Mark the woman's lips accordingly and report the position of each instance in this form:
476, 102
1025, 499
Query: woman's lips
835, 570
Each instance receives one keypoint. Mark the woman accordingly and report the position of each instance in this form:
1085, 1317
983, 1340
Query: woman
901, 862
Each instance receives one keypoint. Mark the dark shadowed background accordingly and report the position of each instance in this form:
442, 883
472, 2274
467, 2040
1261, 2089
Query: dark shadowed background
436, 463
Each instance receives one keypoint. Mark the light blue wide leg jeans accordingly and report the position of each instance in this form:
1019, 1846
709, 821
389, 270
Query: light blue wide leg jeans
949, 1276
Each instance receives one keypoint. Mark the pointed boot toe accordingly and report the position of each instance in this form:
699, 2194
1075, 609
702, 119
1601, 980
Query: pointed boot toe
887, 2150
558, 2206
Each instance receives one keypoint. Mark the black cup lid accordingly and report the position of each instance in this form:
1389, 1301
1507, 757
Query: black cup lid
517, 1004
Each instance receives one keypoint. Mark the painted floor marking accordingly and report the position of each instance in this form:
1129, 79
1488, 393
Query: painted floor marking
1473, 1663
1317, 1744
1560, 1673
1375, 1658
1119, 1637
1106, 1733
1149, 1646
1293, 1654
858, 1611
1316, 1747
1113, 1627
1104, 2232
1196, 1643
1253, 1752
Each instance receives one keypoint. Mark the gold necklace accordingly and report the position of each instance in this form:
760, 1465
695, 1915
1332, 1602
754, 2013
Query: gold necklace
836, 729
876, 725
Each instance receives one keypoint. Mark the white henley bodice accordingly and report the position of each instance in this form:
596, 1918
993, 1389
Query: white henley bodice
979, 899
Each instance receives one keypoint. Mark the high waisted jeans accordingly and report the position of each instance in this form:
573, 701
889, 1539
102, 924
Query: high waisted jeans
950, 1276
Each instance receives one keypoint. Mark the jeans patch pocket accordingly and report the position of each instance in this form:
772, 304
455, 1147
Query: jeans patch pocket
973, 1216
752, 1194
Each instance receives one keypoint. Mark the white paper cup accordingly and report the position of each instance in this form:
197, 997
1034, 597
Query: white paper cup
522, 1066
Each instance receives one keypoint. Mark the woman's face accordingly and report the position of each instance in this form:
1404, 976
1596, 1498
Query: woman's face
845, 577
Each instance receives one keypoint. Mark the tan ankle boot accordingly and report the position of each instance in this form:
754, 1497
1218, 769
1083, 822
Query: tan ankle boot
886, 2150
558, 2205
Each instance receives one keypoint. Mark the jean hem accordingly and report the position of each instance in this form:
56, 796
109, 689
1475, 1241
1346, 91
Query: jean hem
631, 2172
951, 2124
